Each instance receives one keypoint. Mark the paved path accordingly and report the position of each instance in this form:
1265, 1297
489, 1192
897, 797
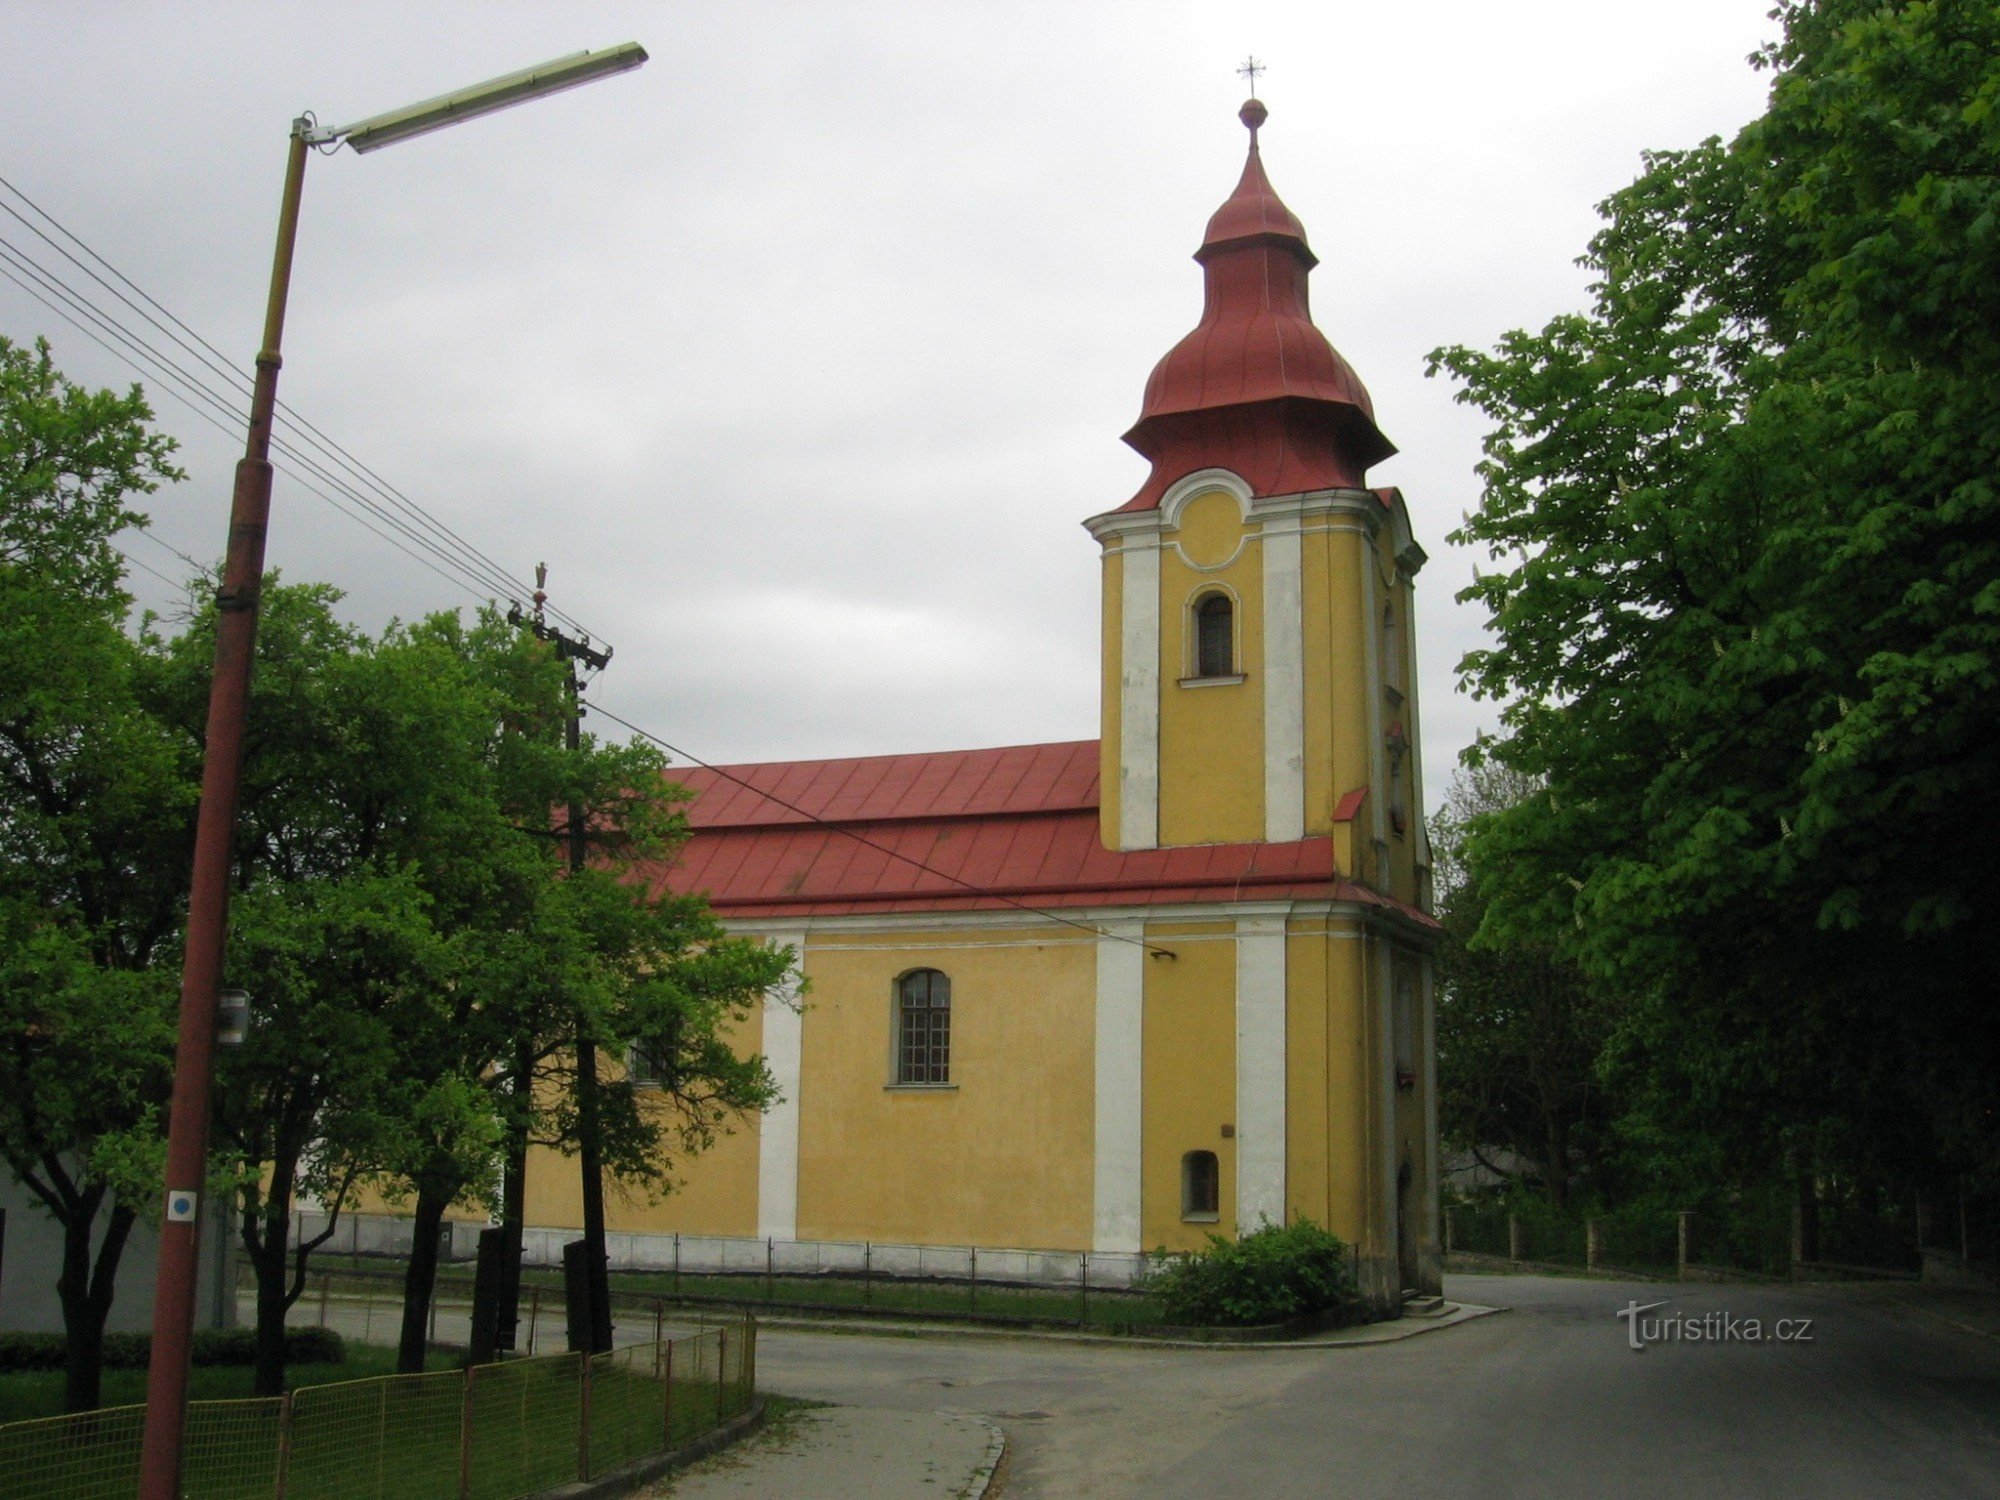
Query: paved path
1884, 1400
850, 1450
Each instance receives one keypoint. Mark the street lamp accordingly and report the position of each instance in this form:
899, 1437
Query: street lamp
229, 690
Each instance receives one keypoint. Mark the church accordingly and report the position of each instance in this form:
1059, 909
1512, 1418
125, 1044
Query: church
1112, 995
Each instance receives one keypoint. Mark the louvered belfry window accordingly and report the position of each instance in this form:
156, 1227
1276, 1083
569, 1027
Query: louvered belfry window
923, 1027
1215, 637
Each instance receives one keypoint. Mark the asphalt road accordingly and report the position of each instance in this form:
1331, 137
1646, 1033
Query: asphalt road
1878, 1399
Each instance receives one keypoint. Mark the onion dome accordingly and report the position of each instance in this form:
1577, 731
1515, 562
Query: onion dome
1256, 388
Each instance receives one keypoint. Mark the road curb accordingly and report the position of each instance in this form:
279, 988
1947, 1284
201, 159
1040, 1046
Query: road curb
1363, 1336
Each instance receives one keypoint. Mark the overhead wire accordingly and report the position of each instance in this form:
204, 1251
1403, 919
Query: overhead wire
880, 848
330, 463
215, 361
200, 408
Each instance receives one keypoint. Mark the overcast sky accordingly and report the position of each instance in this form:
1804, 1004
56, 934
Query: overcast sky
800, 354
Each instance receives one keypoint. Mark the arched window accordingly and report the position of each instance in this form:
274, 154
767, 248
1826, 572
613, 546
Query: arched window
923, 1027
1201, 1186
1214, 637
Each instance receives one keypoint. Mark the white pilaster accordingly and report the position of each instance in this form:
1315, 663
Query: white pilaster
1260, 1071
1139, 696
1284, 686
1121, 986
778, 1130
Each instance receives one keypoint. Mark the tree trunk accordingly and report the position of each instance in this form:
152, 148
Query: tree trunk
1556, 1169
420, 1276
85, 1291
514, 1201
266, 1240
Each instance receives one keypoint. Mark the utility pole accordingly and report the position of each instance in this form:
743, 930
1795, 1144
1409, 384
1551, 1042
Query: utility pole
579, 655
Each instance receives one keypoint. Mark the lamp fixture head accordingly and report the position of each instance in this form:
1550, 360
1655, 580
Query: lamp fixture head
480, 99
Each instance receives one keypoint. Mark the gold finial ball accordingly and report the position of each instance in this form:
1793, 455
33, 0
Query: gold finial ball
1253, 114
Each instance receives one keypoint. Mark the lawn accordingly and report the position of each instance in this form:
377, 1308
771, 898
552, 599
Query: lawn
39, 1393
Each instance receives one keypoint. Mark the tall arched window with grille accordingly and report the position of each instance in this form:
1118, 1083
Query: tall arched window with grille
923, 1027
1214, 636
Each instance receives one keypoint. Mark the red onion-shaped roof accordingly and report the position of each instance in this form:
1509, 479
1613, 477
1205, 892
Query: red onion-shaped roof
1256, 344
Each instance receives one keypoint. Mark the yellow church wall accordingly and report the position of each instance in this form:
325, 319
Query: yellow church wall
1350, 1084
1308, 1102
1211, 736
1188, 1078
1111, 702
1336, 686
1001, 1156
715, 1192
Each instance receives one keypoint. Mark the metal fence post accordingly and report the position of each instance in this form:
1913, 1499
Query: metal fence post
677, 1263
1083, 1290
770, 1254
465, 1436
721, 1368
1514, 1237
534, 1316
667, 1395
284, 1447
1686, 1233
1450, 1229
583, 1426
325, 1285
868, 1266
1593, 1243
972, 1283
749, 1361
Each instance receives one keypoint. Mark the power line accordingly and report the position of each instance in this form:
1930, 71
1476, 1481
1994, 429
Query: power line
908, 859
172, 388
149, 360
421, 529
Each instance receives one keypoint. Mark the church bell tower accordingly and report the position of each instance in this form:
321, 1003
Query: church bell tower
1259, 662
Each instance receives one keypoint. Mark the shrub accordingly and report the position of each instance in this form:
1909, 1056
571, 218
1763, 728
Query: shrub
212, 1346
1270, 1275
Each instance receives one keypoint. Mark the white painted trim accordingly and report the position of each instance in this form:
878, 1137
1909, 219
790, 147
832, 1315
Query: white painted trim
1139, 702
778, 1130
1120, 1063
1202, 482
1284, 690
1260, 1072
1371, 675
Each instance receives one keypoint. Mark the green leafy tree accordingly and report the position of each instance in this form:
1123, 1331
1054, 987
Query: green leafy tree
1747, 608
95, 810
1520, 1028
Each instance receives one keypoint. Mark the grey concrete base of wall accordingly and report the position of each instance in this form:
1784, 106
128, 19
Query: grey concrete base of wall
385, 1234
647, 1470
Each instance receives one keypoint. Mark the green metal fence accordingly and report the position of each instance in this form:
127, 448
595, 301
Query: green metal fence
490, 1432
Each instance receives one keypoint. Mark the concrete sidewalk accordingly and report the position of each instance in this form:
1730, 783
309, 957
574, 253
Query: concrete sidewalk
829, 1453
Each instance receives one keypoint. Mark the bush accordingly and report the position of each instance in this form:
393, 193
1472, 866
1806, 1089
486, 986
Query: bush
1271, 1275
212, 1346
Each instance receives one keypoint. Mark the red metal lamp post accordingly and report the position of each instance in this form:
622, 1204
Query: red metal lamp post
235, 649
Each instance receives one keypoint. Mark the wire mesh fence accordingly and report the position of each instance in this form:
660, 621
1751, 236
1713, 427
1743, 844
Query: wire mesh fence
488, 1432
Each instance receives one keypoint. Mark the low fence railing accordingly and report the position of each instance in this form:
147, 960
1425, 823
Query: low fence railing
487, 1432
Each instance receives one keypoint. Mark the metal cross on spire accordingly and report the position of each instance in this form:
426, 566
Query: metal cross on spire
1252, 70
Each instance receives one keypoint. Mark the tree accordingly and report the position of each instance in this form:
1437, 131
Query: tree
543, 956
95, 813
1520, 1028
1747, 612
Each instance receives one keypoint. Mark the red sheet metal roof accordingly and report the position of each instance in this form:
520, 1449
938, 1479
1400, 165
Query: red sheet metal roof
878, 788
1256, 387
967, 830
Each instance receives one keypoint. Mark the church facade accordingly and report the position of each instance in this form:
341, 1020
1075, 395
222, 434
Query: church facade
1112, 995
